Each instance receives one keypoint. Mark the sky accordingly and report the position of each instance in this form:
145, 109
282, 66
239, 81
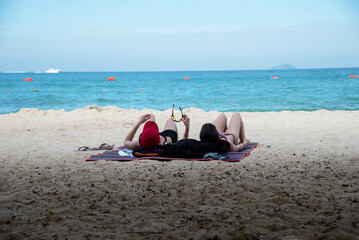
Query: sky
163, 35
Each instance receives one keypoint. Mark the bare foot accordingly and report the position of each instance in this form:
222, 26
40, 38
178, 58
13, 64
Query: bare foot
246, 142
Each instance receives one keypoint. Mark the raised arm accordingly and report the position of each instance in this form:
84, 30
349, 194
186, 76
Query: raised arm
129, 142
186, 122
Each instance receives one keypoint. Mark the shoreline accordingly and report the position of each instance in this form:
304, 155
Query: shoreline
300, 182
118, 109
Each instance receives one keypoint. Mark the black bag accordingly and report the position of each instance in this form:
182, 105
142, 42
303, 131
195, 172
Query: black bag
191, 148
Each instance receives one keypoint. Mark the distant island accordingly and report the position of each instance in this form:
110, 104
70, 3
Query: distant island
284, 66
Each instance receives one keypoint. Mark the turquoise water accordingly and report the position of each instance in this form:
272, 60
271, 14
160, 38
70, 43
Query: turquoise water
300, 89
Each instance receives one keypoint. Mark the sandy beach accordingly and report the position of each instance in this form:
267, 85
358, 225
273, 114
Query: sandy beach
301, 182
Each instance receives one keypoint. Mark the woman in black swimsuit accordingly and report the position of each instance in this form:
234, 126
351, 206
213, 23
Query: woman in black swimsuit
151, 137
233, 133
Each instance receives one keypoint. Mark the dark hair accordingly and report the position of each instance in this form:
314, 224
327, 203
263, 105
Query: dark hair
209, 133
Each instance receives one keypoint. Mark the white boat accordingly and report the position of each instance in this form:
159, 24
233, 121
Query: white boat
53, 70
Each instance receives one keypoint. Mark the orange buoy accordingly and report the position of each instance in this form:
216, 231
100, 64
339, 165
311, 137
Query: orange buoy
111, 79
353, 76
28, 79
186, 78
274, 77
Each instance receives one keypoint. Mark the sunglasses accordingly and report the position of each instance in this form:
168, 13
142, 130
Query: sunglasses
173, 116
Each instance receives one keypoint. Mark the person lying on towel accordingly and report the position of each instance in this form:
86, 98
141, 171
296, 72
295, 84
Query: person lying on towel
218, 130
151, 137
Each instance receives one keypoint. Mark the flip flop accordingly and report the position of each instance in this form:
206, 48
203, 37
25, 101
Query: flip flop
104, 146
84, 148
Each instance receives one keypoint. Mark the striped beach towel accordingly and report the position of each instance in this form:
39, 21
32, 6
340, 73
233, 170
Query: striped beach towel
114, 156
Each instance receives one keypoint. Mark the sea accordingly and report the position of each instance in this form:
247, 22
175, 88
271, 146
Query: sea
224, 91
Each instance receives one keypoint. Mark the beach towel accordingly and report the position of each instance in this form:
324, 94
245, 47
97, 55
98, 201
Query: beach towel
114, 156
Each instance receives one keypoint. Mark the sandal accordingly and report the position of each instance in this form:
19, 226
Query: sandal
84, 148
104, 146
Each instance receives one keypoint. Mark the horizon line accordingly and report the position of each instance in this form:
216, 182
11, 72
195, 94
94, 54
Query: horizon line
266, 69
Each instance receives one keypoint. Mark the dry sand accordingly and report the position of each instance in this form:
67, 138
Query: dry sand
301, 182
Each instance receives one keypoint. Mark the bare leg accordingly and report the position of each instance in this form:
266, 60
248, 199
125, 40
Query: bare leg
242, 135
236, 128
170, 124
220, 123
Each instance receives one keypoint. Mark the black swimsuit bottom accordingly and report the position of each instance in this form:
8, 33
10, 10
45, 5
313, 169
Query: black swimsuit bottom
169, 133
